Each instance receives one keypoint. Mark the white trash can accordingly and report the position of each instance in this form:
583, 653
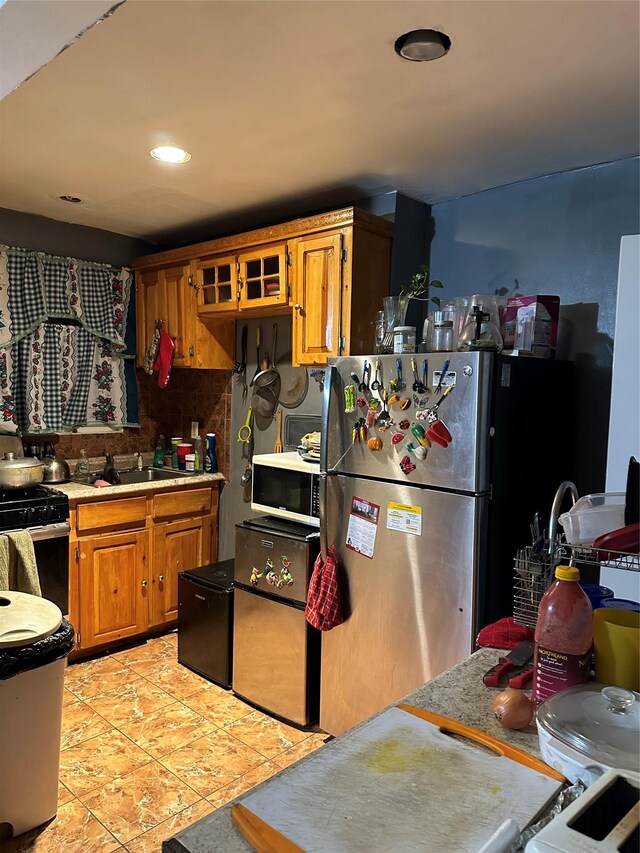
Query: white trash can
34, 644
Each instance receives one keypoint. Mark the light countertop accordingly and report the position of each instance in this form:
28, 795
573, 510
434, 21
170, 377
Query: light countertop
458, 694
82, 492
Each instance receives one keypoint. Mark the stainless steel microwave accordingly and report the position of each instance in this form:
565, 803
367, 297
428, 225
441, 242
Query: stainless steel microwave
286, 486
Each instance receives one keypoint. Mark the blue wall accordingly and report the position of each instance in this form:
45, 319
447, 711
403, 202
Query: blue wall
556, 235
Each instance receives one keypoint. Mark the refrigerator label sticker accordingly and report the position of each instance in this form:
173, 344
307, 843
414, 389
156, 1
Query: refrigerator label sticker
363, 526
448, 379
404, 518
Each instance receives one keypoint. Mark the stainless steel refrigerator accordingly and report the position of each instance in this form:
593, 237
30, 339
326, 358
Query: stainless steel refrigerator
426, 552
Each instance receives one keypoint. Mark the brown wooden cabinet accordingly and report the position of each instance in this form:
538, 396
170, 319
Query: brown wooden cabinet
169, 294
177, 546
125, 556
114, 587
332, 270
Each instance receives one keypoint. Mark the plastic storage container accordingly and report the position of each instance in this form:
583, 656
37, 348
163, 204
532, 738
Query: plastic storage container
589, 729
597, 594
34, 643
622, 604
591, 516
564, 636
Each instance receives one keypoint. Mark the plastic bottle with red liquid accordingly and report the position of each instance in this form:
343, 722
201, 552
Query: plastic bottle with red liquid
564, 636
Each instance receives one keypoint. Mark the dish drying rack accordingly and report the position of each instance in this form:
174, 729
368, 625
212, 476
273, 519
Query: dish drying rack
534, 565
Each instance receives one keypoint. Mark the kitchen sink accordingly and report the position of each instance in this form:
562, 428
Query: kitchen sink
146, 475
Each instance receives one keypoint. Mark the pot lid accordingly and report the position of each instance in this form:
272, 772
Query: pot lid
25, 619
11, 462
600, 721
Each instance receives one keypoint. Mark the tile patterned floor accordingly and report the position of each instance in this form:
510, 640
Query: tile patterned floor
148, 748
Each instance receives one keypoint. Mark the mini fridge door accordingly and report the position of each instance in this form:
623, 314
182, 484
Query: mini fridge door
275, 657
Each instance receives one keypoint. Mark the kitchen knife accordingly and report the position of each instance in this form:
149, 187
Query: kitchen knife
518, 681
522, 653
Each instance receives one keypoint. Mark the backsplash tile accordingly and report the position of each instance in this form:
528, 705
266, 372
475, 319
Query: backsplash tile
202, 395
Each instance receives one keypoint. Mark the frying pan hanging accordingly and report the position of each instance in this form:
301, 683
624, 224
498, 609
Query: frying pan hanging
294, 381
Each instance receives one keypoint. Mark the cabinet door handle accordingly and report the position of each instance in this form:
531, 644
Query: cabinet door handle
160, 577
144, 583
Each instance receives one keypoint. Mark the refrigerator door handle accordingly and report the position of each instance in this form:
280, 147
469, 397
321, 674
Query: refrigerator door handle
330, 387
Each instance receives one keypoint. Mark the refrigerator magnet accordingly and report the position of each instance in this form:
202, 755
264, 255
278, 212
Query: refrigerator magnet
363, 526
404, 518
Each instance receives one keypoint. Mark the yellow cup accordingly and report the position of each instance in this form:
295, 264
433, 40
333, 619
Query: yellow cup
616, 638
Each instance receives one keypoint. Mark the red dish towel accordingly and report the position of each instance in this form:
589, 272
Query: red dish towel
324, 600
164, 360
504, 634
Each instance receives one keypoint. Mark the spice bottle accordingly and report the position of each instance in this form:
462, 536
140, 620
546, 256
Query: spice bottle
564, 636
197, 449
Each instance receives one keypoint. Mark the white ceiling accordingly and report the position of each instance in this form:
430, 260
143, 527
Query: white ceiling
280, 100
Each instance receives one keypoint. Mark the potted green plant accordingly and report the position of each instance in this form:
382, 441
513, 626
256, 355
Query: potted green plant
418, 286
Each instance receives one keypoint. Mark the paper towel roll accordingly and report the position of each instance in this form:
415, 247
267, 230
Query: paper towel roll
616, 637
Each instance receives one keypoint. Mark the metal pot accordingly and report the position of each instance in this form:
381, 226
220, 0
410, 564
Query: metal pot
55, 470
20, 473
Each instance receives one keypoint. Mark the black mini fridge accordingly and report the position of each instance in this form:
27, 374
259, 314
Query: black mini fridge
205, 621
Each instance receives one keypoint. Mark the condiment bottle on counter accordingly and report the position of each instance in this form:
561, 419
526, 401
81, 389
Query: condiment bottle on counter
197, 449
175, 441
210, 458
158, 456
82, 465
564, 636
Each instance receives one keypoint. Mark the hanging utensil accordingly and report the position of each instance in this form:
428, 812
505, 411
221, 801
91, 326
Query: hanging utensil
244, 433
443, 374
264, 403
269, 375
376, 381
397, 384
277, 448
384, 418
425, 373
258, 343
417, 386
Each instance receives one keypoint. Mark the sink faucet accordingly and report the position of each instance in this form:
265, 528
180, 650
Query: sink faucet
563, 488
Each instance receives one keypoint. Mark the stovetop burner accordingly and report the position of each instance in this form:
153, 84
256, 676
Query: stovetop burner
38, 505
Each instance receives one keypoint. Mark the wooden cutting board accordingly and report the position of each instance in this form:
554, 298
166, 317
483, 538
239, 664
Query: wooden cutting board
400, 784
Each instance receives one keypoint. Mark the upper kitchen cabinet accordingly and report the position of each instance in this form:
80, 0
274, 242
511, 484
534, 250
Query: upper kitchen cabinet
244, 282
330, 270
169, 294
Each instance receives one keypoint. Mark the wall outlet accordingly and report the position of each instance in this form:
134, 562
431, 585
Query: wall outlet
194, 429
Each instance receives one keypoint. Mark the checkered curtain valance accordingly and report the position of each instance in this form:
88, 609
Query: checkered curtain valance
63, 354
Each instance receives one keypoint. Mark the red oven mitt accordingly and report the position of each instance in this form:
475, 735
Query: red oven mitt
324, 600
166, 348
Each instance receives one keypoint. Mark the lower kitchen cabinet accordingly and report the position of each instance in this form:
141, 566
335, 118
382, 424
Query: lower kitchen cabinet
177, 546
125, 557
114, 587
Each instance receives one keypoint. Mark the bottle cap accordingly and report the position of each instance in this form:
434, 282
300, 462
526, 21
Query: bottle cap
567, 573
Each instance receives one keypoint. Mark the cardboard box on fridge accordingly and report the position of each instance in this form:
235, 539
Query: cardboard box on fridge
531, 325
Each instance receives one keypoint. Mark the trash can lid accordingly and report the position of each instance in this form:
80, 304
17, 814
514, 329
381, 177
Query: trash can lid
25, 618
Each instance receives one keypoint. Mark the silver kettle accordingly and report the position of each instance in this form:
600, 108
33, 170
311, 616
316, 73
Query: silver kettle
56, 470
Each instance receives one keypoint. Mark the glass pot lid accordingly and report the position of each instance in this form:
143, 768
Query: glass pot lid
600, 721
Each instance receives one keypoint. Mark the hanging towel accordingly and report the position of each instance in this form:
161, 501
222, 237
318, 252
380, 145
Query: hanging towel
152, 350
166, 349
18, 568
324, 608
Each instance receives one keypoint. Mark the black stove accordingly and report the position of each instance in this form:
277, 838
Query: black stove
39, 505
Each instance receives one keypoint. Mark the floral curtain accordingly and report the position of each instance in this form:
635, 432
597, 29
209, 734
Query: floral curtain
65, 356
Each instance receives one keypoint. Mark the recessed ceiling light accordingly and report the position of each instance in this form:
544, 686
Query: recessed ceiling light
72, 199
422, 45
170, 154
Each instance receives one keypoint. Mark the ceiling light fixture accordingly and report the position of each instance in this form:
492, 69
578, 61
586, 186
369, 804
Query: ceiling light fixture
170, 154
72, 199
422, 45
